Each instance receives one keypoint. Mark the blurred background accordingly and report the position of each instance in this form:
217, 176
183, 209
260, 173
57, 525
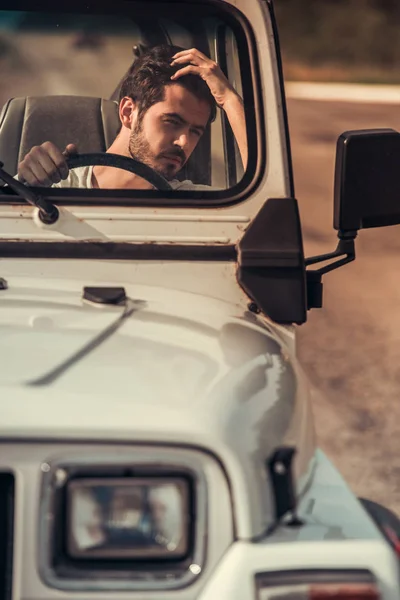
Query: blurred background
340, 40
350, 348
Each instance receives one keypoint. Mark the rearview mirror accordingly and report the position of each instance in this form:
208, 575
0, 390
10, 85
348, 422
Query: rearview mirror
367, 179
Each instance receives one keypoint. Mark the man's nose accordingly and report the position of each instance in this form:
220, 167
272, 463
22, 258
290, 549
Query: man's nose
182, 141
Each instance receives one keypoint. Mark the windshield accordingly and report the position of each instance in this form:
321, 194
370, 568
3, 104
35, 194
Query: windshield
164, 84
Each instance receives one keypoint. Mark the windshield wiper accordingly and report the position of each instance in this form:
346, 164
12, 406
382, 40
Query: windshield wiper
48, 213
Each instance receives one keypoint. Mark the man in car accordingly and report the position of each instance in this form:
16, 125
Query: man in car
166, 102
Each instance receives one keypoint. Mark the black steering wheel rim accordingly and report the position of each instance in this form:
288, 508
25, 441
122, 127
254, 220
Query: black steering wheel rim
108, 159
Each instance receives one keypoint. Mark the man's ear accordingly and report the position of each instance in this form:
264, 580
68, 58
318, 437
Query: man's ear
128, 112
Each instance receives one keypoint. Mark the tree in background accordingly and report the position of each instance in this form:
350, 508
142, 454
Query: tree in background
344, 35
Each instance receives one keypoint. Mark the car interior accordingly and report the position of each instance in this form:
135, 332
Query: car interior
92, 122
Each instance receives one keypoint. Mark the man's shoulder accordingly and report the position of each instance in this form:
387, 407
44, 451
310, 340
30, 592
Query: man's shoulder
80, 177
186, 184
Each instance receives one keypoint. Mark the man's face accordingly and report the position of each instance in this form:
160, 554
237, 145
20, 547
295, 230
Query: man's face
169, 131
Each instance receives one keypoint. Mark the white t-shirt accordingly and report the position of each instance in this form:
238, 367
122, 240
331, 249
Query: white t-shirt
81, 177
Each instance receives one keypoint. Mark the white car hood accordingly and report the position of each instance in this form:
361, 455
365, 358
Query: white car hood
48, 334
179, 369
37, 337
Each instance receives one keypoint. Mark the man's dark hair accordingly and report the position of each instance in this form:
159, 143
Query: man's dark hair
151, 72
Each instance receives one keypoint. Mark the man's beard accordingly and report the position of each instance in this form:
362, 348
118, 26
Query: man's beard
139, 149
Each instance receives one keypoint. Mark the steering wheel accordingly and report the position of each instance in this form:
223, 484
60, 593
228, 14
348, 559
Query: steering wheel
108, 159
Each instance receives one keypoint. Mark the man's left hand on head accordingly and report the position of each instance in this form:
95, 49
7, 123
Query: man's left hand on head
207, 69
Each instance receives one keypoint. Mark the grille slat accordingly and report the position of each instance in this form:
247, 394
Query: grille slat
7, 494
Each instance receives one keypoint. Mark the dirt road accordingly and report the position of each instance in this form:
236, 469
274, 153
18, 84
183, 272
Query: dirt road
351, 348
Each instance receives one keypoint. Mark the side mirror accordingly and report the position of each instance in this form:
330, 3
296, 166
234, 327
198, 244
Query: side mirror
271, 265
367, 179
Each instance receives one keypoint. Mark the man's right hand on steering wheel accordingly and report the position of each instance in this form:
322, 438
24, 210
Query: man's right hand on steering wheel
45, 165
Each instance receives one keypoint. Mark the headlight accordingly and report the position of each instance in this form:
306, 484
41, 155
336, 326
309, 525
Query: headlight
127, 518
132, 520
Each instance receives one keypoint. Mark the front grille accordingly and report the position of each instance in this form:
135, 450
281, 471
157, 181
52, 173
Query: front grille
7, 487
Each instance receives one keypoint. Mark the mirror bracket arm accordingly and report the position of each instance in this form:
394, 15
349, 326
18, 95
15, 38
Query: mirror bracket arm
345, 249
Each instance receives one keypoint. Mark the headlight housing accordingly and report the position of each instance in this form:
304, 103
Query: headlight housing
134, 521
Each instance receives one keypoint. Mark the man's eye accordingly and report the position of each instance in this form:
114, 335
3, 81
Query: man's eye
173, 122
196, 132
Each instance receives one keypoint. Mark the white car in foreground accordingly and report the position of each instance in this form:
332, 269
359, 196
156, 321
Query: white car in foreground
156, 439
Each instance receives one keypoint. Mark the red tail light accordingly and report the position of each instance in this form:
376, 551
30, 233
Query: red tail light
291, 586
346, 591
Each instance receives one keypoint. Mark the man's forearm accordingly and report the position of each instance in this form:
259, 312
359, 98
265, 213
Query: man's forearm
223, 92
234, 109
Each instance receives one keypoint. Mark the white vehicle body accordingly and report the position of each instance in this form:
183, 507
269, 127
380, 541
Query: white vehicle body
183, 373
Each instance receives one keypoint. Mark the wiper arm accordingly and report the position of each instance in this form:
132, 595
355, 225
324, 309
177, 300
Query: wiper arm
51, 218
48, 213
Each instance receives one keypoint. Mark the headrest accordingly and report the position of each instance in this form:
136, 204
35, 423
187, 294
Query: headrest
90, 123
